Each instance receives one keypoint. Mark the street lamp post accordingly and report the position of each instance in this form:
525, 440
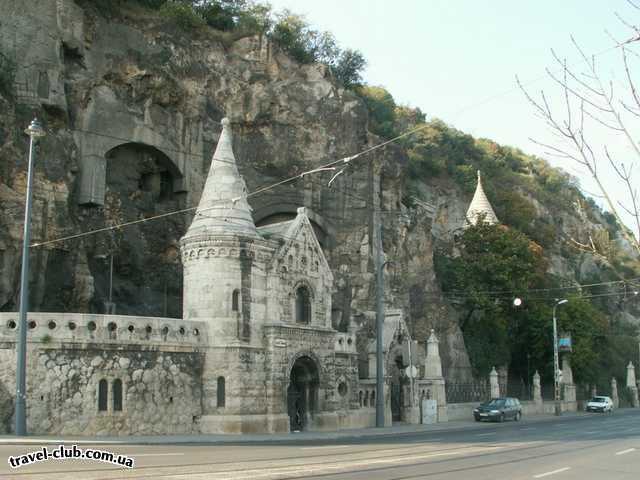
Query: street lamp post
556, 364
35, 132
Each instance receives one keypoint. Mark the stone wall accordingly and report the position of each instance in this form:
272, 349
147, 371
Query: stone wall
464, 411
160, 373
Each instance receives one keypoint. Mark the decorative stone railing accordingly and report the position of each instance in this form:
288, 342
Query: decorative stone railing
99, 328
345, 343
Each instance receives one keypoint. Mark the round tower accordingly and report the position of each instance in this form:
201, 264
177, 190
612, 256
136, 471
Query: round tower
220, 253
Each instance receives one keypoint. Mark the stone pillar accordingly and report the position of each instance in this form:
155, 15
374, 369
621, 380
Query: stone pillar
614, 393
537, 391
493, 382
432, 362
433, 379
631, 385
568, 387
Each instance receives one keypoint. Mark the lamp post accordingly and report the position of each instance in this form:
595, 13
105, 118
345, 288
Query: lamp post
35, 132
556, 365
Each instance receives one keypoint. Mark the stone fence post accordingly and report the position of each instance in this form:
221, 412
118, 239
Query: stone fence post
614, 393
493, 382
537, 391
631, 384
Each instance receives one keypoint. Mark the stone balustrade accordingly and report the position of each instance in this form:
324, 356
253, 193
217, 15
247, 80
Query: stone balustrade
345, 343
105, 329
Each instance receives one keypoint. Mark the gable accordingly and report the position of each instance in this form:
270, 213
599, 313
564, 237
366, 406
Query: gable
300, 251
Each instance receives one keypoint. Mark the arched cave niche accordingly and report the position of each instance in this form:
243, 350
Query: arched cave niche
286, 215
142, 168
146, 278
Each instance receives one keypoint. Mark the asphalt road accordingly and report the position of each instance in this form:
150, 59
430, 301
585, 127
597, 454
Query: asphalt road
603, 447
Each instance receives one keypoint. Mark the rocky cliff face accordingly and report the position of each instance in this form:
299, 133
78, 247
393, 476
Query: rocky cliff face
132, 108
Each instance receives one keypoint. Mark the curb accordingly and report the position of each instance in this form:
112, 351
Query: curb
289, 438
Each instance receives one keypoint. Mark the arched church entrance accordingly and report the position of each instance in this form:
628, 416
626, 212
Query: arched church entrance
397, 381
302, 393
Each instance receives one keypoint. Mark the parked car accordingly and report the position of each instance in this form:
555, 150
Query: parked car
600, 404
499, 410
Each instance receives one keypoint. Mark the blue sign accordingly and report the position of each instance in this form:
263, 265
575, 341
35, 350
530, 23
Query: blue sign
564, 343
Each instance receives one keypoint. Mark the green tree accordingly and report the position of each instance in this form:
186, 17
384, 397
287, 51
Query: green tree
381, 106
493, 262
348, 68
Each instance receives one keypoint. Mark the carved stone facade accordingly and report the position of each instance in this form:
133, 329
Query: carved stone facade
256, 350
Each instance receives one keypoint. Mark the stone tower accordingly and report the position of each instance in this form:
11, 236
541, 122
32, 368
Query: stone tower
480, 207
219, 253
225, 283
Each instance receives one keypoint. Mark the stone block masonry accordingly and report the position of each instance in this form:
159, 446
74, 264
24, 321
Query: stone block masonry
99, 384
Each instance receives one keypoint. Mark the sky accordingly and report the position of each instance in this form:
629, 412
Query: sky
457, 60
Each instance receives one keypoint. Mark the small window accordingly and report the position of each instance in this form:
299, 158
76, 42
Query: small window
220, 392
102, 395
117, 395
235, 301
303, 305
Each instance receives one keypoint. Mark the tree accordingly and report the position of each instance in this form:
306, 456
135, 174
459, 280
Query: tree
591, 102
348, 68
493, 262
381, 106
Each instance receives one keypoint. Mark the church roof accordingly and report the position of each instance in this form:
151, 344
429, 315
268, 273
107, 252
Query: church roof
223, 207
480, 206
278, 229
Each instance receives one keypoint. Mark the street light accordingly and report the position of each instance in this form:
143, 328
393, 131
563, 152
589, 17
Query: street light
556, 366
35, 132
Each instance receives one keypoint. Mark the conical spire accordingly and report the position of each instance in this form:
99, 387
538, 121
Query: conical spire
480, 206
223, 208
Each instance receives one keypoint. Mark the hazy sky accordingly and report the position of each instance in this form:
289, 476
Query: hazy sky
457, 59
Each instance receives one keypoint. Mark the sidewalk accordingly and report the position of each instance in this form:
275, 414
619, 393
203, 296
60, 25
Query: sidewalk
354, 434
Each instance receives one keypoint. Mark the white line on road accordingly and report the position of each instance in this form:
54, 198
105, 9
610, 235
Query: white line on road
628, 450
485, 434
591, 432
154, 454
528, 428
325, 446
560, 424
560, 470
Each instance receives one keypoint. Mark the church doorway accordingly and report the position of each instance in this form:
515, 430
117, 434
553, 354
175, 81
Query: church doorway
395, 371
302, 393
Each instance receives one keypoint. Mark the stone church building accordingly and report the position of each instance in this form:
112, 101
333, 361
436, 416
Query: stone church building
255, 351
265, 295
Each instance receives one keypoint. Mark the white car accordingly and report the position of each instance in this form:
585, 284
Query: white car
600, 404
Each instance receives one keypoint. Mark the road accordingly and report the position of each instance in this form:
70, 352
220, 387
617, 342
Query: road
603, 447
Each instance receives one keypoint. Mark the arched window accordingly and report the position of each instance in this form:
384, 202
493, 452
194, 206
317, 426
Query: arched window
117, 395
235, 300
220, 392
102, 395
303, 305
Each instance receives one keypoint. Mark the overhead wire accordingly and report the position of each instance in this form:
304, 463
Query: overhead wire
345, 161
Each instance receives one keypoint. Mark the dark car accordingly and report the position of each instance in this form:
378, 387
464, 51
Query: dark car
499, 410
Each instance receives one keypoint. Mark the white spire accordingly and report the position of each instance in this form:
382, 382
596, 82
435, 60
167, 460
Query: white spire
480, 206
223, 207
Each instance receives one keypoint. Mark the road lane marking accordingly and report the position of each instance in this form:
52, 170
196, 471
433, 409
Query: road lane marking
309, 470
528, 428
485, 434
591, 432
546, 474
628, 450
560, 424
326, 446
155, 454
